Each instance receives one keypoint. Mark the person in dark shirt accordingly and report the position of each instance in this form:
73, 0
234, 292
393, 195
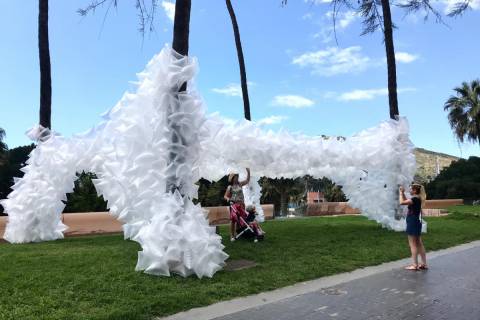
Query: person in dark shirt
414, 224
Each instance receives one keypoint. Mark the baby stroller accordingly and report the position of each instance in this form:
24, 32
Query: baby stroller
246, 226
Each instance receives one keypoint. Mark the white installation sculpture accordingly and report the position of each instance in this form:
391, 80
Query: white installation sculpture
157, 139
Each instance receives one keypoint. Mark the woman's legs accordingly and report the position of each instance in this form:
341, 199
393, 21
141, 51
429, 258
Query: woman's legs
421, 250
232, 230
412, 241
233, 222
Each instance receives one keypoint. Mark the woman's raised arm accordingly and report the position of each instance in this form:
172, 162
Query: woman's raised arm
246, 181
228, 194
402, 198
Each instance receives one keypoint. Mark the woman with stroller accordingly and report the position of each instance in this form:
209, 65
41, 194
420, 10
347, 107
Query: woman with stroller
234, 195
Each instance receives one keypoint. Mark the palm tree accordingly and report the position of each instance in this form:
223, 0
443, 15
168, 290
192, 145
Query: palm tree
181, 31
241, 61
391, 65
45, 72
3, 147
373, 20
282, 187
180, 43
464, 111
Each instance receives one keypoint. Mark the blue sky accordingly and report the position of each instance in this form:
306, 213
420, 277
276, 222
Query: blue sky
301, 80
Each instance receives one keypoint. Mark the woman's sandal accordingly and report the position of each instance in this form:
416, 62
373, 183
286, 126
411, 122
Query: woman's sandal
423, 267
412, 267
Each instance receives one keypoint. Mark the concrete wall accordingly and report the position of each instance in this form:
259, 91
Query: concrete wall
103, 222
334, 208
87, 223
440, 204
329, 208
221, 215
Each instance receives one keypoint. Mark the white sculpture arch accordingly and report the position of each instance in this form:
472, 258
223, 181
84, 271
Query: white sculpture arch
131, 152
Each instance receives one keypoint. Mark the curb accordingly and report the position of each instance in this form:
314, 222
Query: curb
224, 308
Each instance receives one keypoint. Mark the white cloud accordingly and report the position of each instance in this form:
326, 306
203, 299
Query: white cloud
292, 101
363, 94
404, 57
272, 120
343, 19
333, 61
326, 34
169, 8
450, 5
307, 16
232, 89
230, 122
369, 94
347, 18
318, 2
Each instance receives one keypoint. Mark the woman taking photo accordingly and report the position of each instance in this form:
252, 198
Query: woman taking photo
414, 224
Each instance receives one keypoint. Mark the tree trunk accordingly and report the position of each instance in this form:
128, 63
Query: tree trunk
181, 30
241, 61
391, 65
283, 203
45, 73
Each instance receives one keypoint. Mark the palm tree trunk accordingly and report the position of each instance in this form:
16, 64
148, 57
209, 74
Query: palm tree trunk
283, 203
45, 72
241, 61
181, 31
391, 66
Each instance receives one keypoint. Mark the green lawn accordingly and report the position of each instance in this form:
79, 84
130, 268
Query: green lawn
463, 211
94, 277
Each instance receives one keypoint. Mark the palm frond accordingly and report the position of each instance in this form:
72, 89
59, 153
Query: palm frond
412, 6
459, 8
464, 111
146, 13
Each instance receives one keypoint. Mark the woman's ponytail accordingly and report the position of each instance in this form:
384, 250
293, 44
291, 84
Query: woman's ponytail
423, 195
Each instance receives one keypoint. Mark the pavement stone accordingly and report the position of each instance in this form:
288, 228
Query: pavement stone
449, 290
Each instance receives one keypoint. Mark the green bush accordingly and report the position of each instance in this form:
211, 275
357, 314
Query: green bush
84, 197
460, 180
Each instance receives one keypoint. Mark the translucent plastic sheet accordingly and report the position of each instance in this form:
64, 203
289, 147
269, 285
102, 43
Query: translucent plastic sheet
157, 138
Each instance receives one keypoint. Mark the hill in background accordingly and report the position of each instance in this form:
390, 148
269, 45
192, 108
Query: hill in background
431, 163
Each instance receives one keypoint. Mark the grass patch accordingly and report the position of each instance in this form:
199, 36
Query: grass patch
463, 212
94, 277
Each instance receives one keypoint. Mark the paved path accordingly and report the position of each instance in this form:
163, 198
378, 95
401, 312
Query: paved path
449, 290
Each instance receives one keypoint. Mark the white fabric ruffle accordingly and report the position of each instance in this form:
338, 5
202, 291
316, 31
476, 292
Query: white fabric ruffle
156, 137
370, 166
133, 156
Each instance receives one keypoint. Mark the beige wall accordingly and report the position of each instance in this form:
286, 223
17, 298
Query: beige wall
102, 222
332, 208
329, 208
221, 215
440, 204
